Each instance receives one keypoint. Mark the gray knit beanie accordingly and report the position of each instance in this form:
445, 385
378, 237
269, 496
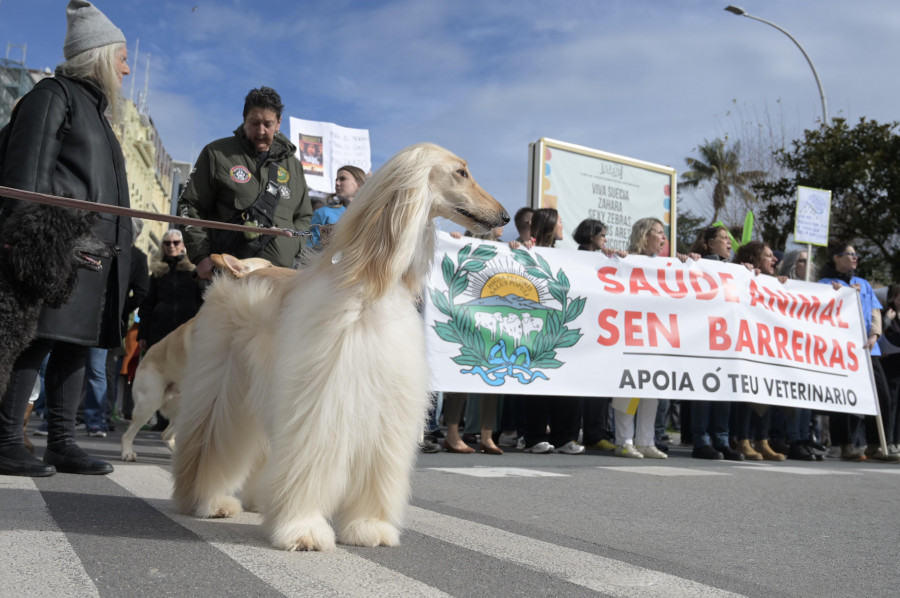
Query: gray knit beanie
88, 28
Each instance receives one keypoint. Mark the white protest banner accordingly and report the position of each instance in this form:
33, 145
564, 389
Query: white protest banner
576, 323
324, 147
813, 214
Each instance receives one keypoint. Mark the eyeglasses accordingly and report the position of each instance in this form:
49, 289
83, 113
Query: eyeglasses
802, 260
168, 243
848, 254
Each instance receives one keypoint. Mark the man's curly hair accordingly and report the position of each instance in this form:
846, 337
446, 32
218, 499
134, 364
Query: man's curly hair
265, 98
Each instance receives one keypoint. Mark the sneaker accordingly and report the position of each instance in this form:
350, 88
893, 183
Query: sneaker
603, 445
426, 446
651, 452
629, 451
852, 453
893, 449
41, 429
571, 448
541, 448
706, 452
80, 426
520, 443
96, 432
880, 455
508, 440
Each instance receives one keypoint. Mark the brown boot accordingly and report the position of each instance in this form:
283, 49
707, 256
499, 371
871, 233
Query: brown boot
768, 454
745, 449
27, 442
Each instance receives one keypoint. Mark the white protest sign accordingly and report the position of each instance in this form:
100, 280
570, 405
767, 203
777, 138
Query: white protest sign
813, 214
324, 147
576, 323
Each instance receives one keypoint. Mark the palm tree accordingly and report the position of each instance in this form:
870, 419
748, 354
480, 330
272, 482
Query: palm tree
720, 166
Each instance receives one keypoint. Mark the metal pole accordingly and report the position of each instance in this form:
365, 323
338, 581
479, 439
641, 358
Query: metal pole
741, 12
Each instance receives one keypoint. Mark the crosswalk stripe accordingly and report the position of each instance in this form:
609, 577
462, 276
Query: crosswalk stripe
336, 573
601, 574
796, 470
663, 470
499, 472
44, 562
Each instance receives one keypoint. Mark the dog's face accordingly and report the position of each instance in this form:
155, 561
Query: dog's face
462, 200
45, 246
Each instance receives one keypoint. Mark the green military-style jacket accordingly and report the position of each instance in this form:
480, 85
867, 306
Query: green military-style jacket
228, 178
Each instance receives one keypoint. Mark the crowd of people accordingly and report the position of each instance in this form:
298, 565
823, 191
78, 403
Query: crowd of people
714, 430
82, 349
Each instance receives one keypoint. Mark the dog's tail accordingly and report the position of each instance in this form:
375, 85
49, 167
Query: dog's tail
216, 432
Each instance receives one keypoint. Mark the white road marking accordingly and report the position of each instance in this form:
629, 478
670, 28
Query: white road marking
663, 470
500, 472
601, 574
44, 563
798, 470
336, 573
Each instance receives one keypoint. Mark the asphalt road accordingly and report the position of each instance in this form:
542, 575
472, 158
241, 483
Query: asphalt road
480, 526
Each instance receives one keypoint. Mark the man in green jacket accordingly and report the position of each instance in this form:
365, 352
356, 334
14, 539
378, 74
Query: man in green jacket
242, 178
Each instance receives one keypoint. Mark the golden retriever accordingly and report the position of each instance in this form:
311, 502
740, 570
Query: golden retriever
308, 393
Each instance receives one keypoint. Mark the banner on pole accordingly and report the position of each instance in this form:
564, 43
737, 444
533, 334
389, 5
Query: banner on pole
576, 323
813, 214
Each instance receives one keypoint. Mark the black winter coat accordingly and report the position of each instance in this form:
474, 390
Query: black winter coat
85, 163
175, 296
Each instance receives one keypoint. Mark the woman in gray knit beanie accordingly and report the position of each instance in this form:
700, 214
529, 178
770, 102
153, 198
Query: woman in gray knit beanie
64, 145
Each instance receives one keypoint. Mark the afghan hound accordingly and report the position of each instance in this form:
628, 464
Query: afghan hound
308, 393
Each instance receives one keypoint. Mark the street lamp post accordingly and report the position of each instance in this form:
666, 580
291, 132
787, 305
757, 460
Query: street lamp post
743, 13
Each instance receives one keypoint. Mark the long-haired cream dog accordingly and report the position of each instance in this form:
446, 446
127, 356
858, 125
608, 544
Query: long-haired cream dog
309, 393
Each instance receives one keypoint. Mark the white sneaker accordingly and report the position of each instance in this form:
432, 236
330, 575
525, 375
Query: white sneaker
541, 448
571, 448
651, 452
507, 440
520, 443
628, 450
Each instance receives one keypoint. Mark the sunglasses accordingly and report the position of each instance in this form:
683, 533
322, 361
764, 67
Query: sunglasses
169, 243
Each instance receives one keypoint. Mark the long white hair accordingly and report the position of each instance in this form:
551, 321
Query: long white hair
98, 65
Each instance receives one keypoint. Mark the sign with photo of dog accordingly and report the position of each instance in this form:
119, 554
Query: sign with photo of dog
552, 321
586, 183
324, 147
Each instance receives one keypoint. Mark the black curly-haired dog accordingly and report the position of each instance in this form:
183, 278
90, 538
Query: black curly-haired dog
41, 249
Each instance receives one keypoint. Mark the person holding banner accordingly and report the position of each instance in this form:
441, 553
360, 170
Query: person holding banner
708, 421
840, 269
562, 413
759, 256
635, 427
251, 178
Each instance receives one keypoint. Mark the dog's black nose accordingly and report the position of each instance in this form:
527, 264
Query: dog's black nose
504, 217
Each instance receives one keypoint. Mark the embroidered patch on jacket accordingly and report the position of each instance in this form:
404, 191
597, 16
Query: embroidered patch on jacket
283, 175
240, 174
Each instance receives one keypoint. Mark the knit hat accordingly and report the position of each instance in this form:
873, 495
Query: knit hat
88, 28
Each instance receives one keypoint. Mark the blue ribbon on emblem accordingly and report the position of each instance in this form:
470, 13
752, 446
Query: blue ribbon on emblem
506, 366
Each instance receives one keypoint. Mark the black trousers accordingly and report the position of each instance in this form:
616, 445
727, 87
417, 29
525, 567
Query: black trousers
63, 379
562, 413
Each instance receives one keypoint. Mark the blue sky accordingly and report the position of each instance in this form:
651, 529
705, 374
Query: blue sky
648, 79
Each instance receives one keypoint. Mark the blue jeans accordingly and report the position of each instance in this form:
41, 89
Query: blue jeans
797, 427
95, 389
710, 417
